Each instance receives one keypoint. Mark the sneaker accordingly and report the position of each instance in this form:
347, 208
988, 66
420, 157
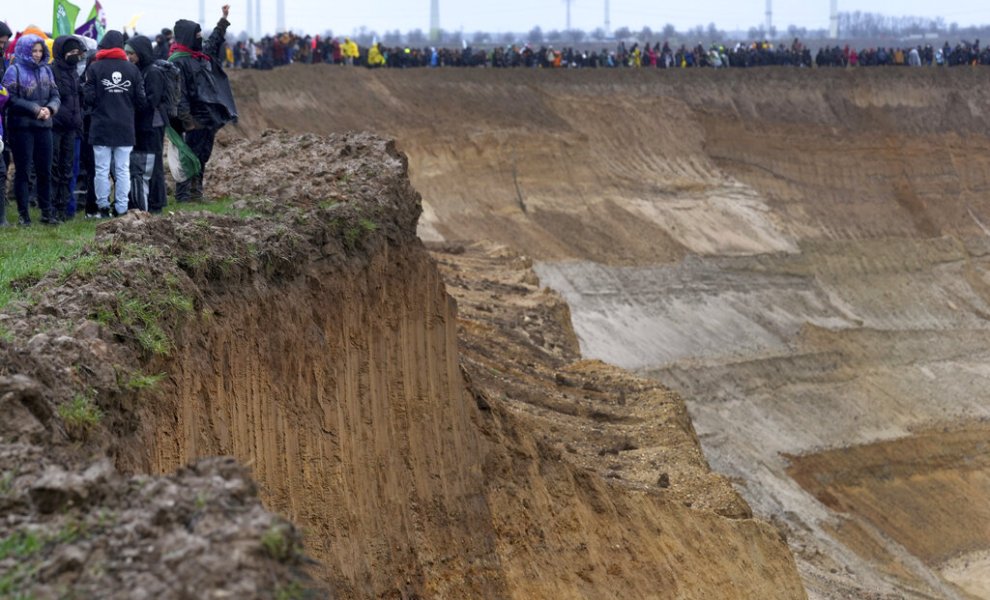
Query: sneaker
92, 215
104, 213
24, 222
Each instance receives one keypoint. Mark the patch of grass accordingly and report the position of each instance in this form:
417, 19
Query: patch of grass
146, 314
354, 233
84, 265
140, 381
81, 415
20, 545
71, 531
292, 591
28, 253
278, 543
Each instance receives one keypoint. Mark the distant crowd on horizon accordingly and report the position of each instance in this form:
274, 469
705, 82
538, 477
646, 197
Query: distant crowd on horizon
289, 48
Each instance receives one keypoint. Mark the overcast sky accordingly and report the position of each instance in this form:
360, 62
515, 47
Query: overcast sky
318, 16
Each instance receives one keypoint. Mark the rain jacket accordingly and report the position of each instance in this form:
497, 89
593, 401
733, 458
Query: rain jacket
69, 118
31, 86
207, 101
375, 56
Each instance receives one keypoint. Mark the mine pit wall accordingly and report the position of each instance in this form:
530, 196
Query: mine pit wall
341, 391
327, 363
803, 251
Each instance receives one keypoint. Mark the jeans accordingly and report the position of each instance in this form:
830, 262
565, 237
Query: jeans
120, 158
32, 148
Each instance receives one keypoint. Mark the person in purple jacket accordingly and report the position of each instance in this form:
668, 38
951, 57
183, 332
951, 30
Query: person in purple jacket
34, 100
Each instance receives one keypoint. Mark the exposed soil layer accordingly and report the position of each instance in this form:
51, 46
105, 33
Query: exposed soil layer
801, 254
311, 338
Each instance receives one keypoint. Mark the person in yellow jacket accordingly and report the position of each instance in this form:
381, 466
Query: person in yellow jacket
349, 49
375, 56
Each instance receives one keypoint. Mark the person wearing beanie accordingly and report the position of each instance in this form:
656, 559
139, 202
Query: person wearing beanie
163, 41
34, 100
113, 91
208, 102
67, 125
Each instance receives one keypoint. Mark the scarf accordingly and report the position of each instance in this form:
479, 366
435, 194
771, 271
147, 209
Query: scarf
177, 50
111, 53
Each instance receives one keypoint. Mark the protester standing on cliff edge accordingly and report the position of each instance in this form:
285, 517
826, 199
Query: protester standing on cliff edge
208, 102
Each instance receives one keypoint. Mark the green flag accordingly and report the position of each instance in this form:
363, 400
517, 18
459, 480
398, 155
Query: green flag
64, 18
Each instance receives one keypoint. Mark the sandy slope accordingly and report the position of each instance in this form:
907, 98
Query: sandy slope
802, 254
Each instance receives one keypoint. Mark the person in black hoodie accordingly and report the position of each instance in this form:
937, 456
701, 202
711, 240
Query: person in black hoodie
208, 102
113, 91
146, 158
68, 121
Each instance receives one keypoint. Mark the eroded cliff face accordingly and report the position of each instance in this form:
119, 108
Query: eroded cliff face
802, 254
341, 386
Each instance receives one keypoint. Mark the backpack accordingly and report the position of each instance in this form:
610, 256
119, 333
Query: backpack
173, 87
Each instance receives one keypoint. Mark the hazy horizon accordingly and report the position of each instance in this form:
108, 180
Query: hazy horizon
311, 16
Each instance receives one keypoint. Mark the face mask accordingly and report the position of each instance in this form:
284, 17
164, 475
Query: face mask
73, 60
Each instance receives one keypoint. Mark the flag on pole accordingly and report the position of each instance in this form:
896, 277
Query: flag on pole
64, 17
95, 25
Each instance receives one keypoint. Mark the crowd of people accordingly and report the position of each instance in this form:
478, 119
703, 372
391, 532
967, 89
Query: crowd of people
73, 106
288, 48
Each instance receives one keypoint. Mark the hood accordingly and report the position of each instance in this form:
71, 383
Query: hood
5, 30
141, 46
112, 39
185, 34
23, 49
63, 44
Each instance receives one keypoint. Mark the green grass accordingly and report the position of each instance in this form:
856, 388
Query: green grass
27, 254
292, 591
278, 544
81, 415
140, 381
20, 545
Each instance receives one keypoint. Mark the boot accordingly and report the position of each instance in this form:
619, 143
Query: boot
183, 191
197, 188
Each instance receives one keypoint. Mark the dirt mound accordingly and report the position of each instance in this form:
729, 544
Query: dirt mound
802, 254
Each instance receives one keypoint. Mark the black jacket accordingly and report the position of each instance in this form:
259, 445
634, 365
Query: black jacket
69, 118
151, 116
208, 101
113, 91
